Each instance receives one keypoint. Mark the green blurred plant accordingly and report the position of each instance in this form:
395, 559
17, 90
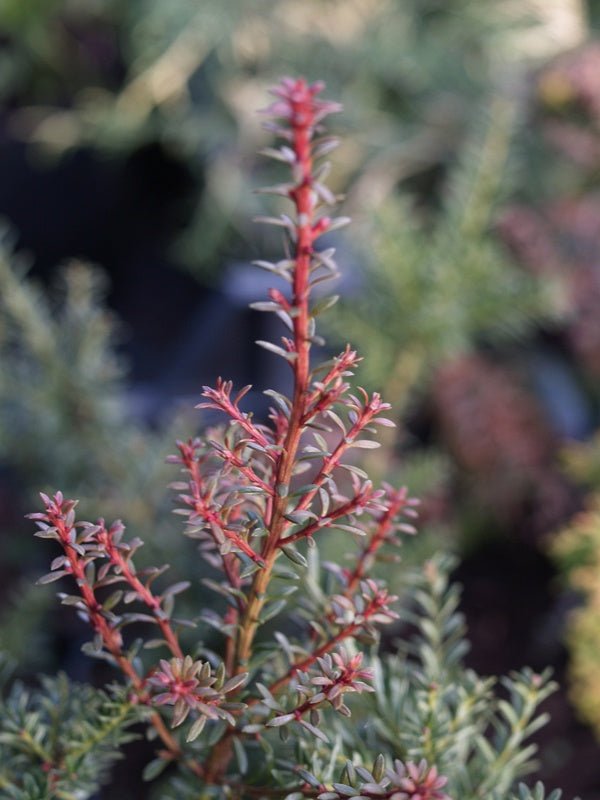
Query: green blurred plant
59, 740
113, 74
437, 283
576, 549
61, 372
65, 412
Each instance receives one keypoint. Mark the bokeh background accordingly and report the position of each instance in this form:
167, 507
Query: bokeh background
471, 283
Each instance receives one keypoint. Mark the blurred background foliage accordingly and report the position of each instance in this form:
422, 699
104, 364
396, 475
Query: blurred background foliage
576, 549
470, 160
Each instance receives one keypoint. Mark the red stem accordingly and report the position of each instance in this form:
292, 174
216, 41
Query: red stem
302, 117
384, 526
332, 461
246, 471
111, 638
230, 564
336, 513
202, 508
302, 121
326, 647
145, 595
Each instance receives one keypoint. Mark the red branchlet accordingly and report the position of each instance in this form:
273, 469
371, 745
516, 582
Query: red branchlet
58, 522
337, 674
234, 459
219, 398
365, 498
362, 414
59, 518
96, 542
301, 111
371, 606
397, 503
202, 510
327, 391
325, 399
192, 459
117, 552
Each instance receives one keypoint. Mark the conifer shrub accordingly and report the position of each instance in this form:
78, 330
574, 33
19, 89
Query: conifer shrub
303, 678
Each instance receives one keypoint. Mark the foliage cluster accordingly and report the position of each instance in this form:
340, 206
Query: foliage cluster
262, 709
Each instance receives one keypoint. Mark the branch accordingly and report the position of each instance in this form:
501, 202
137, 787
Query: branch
376, 610
201, 507
58, 523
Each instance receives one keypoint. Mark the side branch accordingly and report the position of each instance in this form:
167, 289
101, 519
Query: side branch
376, 610
399, 503
106, 539
202, 510
365, 414
58, 523
361, 500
